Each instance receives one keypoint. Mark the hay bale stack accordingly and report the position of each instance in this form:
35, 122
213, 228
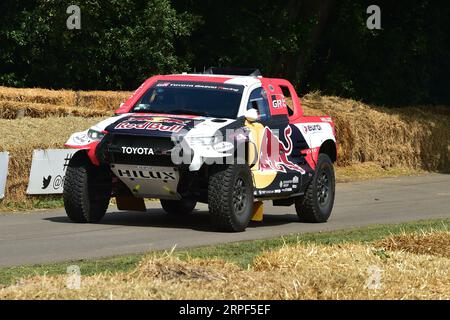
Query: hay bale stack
416, 137
101, 100
12, 110
36, 95
72, 101
21, 136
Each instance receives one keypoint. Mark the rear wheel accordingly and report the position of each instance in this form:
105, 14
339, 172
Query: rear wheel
230, 197
178, 207
317, 202
87, 190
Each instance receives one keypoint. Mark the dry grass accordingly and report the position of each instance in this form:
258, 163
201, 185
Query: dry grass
430, 243
292, 272
19, 137
372, 170
412, 137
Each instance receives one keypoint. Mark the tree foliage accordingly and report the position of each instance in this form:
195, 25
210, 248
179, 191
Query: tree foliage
317, 44
120, 43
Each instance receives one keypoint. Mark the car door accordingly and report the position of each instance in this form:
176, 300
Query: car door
275, 170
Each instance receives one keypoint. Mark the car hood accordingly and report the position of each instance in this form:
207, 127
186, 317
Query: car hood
164, 125
153, 125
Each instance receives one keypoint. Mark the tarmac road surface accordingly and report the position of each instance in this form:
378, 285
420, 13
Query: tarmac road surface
48, 236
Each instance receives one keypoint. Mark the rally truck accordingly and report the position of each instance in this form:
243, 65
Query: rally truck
226, 137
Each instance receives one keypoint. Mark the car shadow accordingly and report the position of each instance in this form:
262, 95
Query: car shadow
199, 220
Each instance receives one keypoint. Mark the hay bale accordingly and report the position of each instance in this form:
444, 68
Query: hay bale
10, 110
36, 95
20, 137
415, 137
101, 100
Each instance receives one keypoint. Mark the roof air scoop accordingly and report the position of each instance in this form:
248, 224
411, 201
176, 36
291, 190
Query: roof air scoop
234, 71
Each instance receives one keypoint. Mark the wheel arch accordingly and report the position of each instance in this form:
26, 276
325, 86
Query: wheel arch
80, 157
328, 147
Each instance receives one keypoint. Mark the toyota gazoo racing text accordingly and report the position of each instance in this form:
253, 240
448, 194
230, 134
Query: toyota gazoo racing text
230, 141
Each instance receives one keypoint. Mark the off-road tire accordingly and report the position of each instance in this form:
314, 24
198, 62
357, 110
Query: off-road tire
230, 197
178, 207
313, 206
87, 190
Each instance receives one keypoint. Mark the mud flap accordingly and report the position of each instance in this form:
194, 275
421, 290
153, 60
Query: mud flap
258, 211
130, 203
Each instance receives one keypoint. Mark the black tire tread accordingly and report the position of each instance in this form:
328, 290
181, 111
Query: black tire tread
306, 208
82, 202
220, 184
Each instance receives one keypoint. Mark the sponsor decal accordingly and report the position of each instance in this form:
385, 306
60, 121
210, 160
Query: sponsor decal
288, 183
164, 124
137, 150
81, 138
274, 153
163, 84
198, 85
146, 174
278, 103
309, 128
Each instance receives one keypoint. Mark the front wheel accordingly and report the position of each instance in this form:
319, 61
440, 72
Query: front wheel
87, 190
230, 197
317, 202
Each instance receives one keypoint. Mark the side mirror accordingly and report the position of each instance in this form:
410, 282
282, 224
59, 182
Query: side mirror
251, 115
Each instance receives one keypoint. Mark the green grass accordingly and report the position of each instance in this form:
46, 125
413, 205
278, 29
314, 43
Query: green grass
33, 203
241, 253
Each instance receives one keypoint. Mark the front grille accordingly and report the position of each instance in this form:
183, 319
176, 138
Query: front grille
148, 160
111, 150
160, 145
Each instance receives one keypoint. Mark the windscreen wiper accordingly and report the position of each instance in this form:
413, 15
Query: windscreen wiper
150, 111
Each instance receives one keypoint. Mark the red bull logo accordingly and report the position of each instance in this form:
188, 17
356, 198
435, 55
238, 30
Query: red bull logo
152, 123
274, 153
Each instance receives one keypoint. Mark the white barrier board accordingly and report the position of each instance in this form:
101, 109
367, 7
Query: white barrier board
4, 159
48, 169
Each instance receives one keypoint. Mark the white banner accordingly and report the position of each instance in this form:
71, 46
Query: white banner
4, 159
48, 169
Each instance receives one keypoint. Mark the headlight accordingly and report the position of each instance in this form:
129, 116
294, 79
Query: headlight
201, 141
95, 135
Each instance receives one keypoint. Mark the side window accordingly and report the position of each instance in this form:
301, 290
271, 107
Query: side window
258, 101
288, 99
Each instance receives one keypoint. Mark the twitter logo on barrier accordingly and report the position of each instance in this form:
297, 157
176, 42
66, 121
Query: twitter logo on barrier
46, 182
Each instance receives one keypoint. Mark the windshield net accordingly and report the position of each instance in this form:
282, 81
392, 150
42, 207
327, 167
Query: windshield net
196, 98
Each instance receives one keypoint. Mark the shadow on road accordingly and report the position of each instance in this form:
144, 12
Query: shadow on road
199, 220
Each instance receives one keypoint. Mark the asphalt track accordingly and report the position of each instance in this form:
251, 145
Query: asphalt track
48, 236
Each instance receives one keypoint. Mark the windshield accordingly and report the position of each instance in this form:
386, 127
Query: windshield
196, 98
